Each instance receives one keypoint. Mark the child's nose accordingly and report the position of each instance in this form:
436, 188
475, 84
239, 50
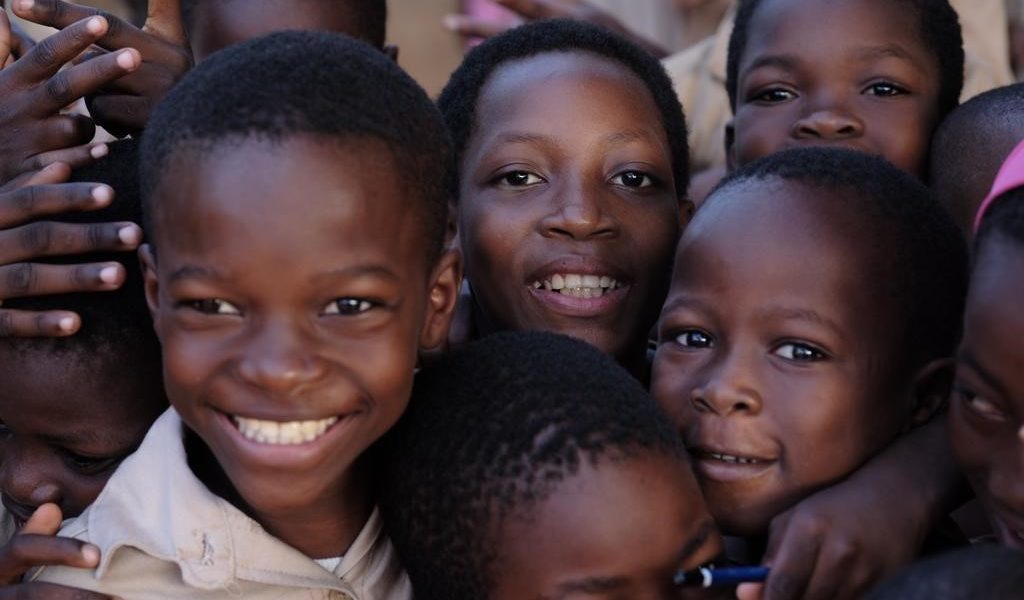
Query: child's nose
728, 391
281, 360
26, 478
828, 124
579, 212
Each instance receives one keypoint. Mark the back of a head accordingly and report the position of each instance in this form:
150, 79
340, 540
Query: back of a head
922, 250
116, 332
216, 24
459, 99
979, 573
971, 145
492, 428
315, 84
940, 30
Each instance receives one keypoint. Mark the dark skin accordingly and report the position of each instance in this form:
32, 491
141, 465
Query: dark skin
867, 82
797, 369
566, 547
569, 173
986, 420
320, 322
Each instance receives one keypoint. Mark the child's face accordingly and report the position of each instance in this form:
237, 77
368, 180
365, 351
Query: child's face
849, 73
217, 25
66, 425
291, 294
569, 213
987, 407
569, 548
775, 360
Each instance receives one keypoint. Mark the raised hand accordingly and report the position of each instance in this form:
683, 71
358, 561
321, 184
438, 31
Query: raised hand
123, 106
35, 90
36, 545
24, 238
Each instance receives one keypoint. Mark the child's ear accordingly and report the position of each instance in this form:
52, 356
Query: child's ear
686, 210
730, 146
392, 51
150, 282
442, 299
931, 388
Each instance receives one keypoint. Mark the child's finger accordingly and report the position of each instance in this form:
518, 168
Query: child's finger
44, 521
75, 157
52, 53
61, 131
750, 591
164, 20
71, 84
33, 279
535, 9
6, 39
792, 559
30, 324
121, 114
47, 591
35, 201
472, 27
24, 552
45, 238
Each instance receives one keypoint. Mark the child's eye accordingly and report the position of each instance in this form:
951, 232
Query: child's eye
519, 179
773, 96
633, 179
88, 465
211, 306
347, 307
798, 352
694, 339
980, 406
885, 89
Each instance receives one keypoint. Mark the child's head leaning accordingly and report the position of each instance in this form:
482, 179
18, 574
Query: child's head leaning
571, 146
814, 307
296, 192
216, 24
72, 408
530, 465
987, 406
873, 75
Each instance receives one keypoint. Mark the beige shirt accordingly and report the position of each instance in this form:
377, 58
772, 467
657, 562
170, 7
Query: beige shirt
699, 74
163, 534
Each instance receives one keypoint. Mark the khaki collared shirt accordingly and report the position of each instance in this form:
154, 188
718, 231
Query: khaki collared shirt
163, 534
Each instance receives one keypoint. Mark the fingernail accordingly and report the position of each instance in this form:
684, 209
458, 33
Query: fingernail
126, 59
93, 25
129, 236
102, 194
26, 4
91, 554
66, 325
99, 151
109, 274
451, 22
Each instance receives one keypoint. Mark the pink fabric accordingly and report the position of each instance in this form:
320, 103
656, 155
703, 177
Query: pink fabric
1010, 177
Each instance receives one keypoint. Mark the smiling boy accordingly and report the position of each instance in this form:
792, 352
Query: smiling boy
295, 189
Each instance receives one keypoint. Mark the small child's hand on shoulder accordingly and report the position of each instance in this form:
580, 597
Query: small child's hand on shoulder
36, 545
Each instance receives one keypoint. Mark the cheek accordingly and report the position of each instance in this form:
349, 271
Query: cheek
760, 132
974, 449
903, 139
673, 378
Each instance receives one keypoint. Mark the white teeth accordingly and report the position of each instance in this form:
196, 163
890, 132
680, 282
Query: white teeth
733, 459
283, 434
579, 286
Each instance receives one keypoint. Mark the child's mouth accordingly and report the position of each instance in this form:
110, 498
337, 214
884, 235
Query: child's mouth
278, 433
578, 285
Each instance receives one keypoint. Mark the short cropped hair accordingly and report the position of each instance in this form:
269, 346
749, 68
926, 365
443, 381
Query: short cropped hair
939, 28
369, 18
976, 573
116, 325
491, 430
926, 253
1003, 219
319, 84
458, 101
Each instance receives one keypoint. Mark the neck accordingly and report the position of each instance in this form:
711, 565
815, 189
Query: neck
324, 527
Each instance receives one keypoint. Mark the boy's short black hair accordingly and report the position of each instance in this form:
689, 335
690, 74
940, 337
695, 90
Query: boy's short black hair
971, 145
977, 573
940, 29
458, 101
925, 252
369, 18
491, 430
116, 325
296, 83
1003, 219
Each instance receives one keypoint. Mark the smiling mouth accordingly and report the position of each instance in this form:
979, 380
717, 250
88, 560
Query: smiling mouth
728, 458
578, 285
283, 433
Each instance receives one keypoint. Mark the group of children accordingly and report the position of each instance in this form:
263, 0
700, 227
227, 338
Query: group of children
294, 392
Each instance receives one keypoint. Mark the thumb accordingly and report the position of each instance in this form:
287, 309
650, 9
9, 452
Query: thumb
163, 19
45, 521
750, 591
6, 38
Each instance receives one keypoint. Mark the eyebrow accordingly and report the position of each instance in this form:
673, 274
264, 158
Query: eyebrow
785, 62
799, 314
359, 271
687, 302
193, 272
967, 358
885, 51
521, 137
591, 585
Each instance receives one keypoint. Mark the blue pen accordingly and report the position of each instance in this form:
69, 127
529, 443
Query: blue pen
710, 577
